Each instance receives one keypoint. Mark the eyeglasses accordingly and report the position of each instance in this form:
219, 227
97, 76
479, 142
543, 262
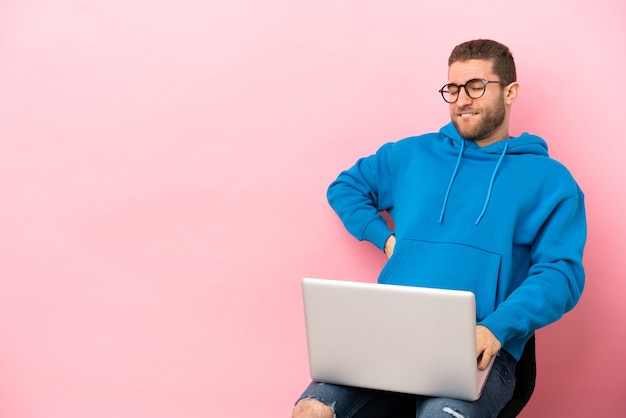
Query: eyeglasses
474, 88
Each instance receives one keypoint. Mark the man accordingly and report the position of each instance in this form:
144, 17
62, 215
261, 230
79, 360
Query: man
473, 209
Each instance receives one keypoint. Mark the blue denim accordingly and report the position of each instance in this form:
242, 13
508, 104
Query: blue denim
351, 402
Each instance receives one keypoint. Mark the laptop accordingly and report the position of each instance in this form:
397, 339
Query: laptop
396, 338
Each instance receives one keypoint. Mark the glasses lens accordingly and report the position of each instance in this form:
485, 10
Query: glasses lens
450, 92
475, 88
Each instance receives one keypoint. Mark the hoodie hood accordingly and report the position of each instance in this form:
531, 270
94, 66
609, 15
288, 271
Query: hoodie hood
524, 144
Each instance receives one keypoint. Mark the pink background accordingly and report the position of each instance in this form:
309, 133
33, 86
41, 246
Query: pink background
163, 168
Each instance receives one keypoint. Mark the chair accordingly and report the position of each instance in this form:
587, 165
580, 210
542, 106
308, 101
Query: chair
525, 374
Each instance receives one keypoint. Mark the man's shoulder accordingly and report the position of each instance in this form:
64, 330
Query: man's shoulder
549, 171
550, 166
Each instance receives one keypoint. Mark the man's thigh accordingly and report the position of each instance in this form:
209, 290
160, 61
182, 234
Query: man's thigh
351, 402
497, 392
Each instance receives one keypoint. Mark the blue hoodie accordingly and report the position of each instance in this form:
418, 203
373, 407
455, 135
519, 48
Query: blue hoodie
505, 222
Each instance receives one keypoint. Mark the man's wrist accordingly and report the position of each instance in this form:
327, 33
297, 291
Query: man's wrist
390, 244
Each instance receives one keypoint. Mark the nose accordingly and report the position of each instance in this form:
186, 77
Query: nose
463, 98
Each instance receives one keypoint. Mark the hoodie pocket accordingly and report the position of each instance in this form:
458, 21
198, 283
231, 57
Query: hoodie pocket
447, 266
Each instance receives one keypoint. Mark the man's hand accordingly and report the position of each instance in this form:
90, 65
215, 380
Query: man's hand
487, 345
390, 244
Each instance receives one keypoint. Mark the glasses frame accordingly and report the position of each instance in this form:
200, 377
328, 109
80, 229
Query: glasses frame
485, 82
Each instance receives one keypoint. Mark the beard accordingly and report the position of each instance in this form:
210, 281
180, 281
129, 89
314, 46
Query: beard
493, 117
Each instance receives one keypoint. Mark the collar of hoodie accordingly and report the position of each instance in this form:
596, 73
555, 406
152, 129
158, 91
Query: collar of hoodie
489, 188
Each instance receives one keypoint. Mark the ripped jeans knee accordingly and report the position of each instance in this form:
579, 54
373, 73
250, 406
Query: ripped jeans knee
352, 402
311, 406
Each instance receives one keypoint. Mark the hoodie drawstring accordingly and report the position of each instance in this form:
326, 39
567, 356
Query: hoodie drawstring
456, 169
493, 178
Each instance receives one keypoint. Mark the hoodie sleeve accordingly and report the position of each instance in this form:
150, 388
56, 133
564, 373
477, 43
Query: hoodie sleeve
555, 278
359, 194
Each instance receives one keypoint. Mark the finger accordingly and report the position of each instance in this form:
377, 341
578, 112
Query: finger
484, 360
481, 348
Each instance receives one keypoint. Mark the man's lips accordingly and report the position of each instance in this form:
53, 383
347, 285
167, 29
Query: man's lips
466, 114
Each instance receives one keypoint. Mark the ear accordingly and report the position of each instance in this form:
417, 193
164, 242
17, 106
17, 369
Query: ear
510, 92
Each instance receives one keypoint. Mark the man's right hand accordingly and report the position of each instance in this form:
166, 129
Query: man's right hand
390, 244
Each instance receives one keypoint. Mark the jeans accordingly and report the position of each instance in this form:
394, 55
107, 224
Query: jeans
351, 402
